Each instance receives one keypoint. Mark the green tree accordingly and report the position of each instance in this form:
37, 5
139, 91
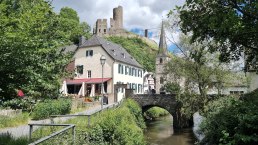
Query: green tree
141, 51
30, 41
232, 24
71, 26
199, 71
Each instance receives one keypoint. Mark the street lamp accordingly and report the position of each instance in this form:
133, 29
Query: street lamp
102, 62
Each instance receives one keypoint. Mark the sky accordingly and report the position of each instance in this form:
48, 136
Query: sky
138, 14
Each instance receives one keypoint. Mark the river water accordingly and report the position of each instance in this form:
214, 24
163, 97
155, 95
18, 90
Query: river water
161, 132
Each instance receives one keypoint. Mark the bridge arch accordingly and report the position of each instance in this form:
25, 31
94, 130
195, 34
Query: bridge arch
165, 101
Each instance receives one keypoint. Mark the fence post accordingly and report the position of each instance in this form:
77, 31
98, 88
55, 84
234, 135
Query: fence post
74, 135
31, 129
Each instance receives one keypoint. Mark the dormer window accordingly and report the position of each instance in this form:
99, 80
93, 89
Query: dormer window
113, 50
123, 55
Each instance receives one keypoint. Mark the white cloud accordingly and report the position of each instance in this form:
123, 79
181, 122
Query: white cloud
137, 13
143, 14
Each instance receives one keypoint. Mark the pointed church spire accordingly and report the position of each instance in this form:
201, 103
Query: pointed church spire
162, 42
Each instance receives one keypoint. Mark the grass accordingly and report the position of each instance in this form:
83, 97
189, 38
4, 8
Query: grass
12, 121
8, 139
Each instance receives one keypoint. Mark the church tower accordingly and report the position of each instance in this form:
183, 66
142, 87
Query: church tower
161, 59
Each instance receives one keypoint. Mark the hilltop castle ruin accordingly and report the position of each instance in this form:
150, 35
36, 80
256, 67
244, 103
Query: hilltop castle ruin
116, 24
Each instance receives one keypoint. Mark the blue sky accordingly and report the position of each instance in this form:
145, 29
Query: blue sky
171, 46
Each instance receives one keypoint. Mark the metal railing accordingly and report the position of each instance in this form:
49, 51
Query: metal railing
68, 125
53, 134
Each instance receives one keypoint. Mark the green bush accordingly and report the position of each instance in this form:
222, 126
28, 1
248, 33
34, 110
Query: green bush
136, 111
51, 107
116, 127
26, 104
231, 121
8, 139
156, 112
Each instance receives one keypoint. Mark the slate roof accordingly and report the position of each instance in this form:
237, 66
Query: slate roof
69, 48
116, 51
162, 43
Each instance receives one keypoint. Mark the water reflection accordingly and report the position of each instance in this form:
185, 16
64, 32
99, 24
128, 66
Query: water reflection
161, 132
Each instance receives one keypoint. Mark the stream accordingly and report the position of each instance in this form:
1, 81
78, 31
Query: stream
161, 132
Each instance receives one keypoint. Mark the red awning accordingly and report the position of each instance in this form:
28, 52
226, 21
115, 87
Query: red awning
87, 81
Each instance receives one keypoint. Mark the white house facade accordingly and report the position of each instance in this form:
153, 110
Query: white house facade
119, 68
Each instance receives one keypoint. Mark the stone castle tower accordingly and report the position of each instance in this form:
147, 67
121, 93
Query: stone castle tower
116, 23
161, 59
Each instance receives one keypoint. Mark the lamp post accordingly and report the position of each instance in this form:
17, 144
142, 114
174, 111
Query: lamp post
102, 62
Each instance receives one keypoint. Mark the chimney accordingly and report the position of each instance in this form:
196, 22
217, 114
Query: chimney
81, 40
146, 33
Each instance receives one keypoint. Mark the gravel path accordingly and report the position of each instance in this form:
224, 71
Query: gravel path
23, 130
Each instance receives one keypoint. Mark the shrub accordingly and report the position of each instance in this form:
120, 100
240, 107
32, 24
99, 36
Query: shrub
26, 104
231, 121
117, 126
136, 111
51, 107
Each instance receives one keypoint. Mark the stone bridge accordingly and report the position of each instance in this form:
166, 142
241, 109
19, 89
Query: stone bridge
165, 101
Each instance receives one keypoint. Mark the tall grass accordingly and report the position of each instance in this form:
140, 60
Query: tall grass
8, 139
11, 121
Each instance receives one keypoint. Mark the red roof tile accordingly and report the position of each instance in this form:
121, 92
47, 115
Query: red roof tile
87, 80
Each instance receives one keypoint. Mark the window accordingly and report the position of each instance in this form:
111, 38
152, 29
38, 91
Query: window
140, 73
89, 53
105, 31
120, 69
160, 60
126, 70
79, 69
133, 72
89, 73
130, 71
161, 80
